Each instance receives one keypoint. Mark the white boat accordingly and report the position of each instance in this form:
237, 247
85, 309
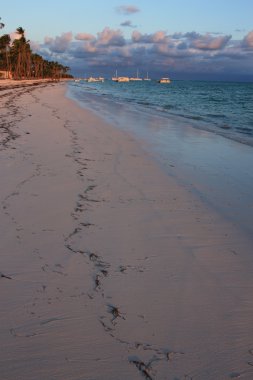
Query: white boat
115, 78
122, 79
92, 79
147, 78
119, 79
135, 78
164, 80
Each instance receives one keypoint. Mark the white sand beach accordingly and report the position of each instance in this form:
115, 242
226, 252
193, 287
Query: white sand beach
110, 268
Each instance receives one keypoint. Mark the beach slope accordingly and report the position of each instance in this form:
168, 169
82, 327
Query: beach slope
110, 269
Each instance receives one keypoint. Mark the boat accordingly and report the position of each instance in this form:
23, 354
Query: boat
135, 78
119, 79
92, 79
164, 80
122, 79
115, 78
147, 78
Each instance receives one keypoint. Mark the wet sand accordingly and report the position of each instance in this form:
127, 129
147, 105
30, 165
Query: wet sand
109, 268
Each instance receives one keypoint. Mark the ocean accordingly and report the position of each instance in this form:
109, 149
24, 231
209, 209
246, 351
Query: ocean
224, 108
200, 133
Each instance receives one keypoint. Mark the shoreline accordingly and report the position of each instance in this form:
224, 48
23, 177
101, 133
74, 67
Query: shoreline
7, 97
213, 167
116, 270
6, 84
96, 96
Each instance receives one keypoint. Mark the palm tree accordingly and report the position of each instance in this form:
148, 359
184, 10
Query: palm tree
1, 24
19, 60
37, 66
21, 56
20, 31
5, 41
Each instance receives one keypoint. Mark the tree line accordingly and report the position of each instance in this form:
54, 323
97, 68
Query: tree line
19, 62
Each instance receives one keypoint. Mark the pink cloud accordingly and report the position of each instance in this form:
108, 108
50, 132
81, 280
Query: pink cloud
90, 48
15, 36
48, 40
208, 42
248, 40
185, 52
111, 37
157, 37
84, 37
162, 49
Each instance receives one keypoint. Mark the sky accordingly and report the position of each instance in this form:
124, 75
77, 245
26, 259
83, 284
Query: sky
182, 39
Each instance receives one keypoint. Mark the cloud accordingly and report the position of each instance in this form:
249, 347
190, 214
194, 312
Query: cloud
128, 24
15, 36
157, 37
248, 40
240, 30
59, 44
191, 35
127, 9
208, 42
111, 37
159, 52
84, 37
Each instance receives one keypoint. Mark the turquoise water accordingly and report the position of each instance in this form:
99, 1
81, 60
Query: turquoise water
224, 108
180, 126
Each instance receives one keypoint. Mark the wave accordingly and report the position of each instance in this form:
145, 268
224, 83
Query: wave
208, 105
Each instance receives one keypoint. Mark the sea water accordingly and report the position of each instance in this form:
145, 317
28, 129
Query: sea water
224, 108
201, 134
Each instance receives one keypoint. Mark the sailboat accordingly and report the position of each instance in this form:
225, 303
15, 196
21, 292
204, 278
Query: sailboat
115, 78
95, 79
119, 79
122, 79
147, 78
135, 78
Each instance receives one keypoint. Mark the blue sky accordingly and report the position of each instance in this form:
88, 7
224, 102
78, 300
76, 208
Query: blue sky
191, 39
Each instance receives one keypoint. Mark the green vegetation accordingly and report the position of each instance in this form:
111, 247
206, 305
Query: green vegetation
19, 62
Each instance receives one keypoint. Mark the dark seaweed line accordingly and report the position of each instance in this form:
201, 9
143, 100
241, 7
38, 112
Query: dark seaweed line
12, 98
100, 271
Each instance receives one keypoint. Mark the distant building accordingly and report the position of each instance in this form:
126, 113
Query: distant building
4, 74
